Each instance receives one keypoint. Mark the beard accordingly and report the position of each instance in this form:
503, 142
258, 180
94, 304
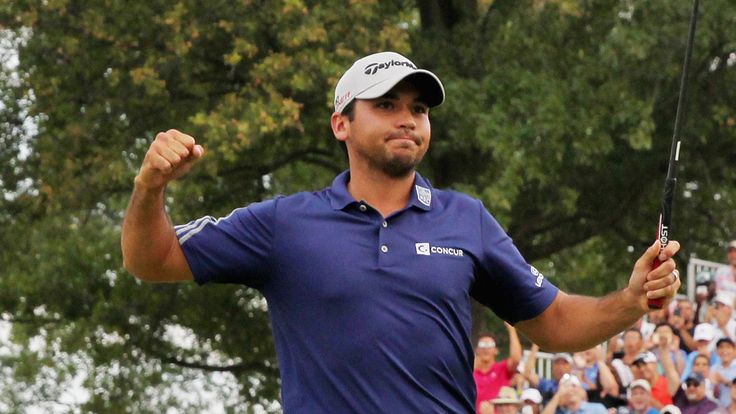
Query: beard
394, 165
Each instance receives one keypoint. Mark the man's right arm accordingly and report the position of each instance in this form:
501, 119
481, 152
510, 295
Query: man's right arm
151, 250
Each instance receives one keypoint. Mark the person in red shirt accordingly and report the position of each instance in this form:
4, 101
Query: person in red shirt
490, 375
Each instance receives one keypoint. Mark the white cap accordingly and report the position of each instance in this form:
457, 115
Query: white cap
531, 394
731, 245
704, 332
641, 383
724, 298
374, 75
670, 409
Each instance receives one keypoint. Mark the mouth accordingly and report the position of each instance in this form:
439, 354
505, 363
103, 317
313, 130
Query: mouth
404, 136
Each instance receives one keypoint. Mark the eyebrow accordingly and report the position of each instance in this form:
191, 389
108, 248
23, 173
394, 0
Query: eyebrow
394, 96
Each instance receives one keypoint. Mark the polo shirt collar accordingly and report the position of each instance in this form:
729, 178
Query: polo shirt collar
421, 195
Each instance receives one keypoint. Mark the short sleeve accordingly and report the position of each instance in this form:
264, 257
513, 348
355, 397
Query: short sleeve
505, 282
233, 249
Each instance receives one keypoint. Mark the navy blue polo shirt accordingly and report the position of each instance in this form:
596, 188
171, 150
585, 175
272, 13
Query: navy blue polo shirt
370, 314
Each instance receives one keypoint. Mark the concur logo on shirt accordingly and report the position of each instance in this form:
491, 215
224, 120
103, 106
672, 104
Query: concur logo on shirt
425, 249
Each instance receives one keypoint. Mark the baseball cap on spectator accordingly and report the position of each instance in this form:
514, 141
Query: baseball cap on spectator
640, 383
694, 378
724, 298
670, 409
704, 332
531, 394
373, 75
562, 355
646, 357
506, 395
731, 245
703, 277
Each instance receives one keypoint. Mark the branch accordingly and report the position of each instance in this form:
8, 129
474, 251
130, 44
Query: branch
234, 368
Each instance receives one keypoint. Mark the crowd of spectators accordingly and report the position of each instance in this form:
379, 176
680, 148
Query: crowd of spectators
677, 360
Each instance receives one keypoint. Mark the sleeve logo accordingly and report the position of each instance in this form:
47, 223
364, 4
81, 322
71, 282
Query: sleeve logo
536, 273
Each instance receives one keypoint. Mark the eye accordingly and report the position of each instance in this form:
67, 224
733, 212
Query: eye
421, 108
385, 104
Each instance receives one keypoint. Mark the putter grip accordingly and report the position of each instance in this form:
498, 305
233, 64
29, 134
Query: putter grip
659, 302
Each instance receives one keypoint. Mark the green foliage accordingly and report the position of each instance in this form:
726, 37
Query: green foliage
559, 117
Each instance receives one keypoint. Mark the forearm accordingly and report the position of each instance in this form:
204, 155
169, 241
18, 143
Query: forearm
576, 323
608, 381
514, 349
148, 236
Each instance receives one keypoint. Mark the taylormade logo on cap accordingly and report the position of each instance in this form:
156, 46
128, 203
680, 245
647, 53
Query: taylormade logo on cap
374, 75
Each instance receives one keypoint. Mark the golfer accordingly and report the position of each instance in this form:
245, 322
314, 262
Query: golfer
369, 281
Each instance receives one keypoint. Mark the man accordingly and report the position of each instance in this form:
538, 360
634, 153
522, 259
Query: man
633, 346
531, 399
570, 399
691, 399
705, 345
682, 320
725, 277
725, 325
639, 395
368, 282
674, 352
731, 408
490, 375
507, 402
562, 363
663, 387
724, 372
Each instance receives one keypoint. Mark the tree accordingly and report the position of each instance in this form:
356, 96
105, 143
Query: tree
559, 118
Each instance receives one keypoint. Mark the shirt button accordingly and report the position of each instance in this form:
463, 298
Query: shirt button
363, 208
384, 224
384, 248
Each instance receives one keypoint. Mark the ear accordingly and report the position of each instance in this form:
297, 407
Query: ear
340, 126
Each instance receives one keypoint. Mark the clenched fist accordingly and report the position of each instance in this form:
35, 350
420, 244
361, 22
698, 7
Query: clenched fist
170, 156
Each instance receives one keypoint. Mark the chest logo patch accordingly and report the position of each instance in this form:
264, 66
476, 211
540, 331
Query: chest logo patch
425, 249
424, 195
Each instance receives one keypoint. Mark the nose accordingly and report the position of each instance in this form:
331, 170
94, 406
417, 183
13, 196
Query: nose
405, 118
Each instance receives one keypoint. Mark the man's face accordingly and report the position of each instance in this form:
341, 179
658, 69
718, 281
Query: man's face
686, 310
560, 367
723, 313
632, 342
506, 408
694, 390
389, 134
485, 351
639, 398
644, 370
725, 351
701, 366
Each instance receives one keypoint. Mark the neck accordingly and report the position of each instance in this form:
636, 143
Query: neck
385, 194
484, 366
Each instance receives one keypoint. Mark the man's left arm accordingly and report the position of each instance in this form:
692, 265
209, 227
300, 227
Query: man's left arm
576, 323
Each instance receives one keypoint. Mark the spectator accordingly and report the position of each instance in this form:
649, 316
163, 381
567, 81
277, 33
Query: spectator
705, 291
639, 395
691, 399
570, 399
531, 399
682, 320
701, 365
507, 402
633, 347
725, 278
731, 408
670, 409
723, 373
677, 355
596, 377
663, 386
562, 364
489, 374
723, 316
704, 338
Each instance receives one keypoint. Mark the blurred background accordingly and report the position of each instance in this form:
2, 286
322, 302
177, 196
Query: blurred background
559, 117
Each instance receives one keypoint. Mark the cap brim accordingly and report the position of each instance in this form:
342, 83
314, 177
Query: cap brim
430, 88
505, 401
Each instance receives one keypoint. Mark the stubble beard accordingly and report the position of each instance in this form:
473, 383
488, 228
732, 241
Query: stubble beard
391, 164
